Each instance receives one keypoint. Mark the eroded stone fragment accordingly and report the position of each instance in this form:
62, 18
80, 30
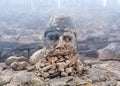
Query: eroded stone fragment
111, 52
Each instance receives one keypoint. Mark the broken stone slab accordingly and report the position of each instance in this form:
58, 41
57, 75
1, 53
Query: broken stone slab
111, 52
106, 71
70, 81
97, 75
23, 77
60, 82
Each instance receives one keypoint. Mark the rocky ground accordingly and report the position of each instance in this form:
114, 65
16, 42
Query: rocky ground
94, 32
100, 73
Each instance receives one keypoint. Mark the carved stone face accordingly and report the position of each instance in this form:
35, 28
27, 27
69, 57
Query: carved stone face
61, 42
60, 37
59, 50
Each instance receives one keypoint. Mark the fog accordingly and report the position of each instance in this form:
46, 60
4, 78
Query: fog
37, 5
97, 22
15, 8
20, 18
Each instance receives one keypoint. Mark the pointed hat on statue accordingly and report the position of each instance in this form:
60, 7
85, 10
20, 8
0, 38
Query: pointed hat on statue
60, 23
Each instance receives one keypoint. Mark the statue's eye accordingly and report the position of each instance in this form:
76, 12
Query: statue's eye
67, 38
54, 37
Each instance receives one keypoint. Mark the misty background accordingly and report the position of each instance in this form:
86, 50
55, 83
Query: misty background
25, 20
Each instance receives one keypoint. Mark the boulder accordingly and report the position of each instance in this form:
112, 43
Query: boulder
40, 54
111, 52
105, 71
12, 59
23, 77
18, 65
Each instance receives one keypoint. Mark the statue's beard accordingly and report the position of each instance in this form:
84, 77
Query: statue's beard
61, 51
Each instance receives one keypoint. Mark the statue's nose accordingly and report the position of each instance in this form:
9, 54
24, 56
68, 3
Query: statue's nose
61, 44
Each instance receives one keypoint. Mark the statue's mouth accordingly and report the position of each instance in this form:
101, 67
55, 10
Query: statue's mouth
59, 51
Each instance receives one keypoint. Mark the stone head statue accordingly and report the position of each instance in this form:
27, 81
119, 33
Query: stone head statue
59, 39
60, 34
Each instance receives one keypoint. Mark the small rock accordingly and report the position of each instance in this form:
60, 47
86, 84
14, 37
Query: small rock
69, 70
45, 69
61, 69
42, 65
51, 71
14, 59
61, 59
61, 64
64, 74
18, 65
14, 65
31, 68
72, 61
95, 79
67, 62
52, 59
11, 60
54, 74
47, 63
53, 67
46, 74
35, 80
22, 65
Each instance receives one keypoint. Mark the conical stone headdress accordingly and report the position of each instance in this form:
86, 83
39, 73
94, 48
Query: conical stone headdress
60, 23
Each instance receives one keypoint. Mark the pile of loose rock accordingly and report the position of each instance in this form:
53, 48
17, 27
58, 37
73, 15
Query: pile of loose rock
62, 66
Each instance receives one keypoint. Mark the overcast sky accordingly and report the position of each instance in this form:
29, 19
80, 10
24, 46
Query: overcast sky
19, 6
38, 4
